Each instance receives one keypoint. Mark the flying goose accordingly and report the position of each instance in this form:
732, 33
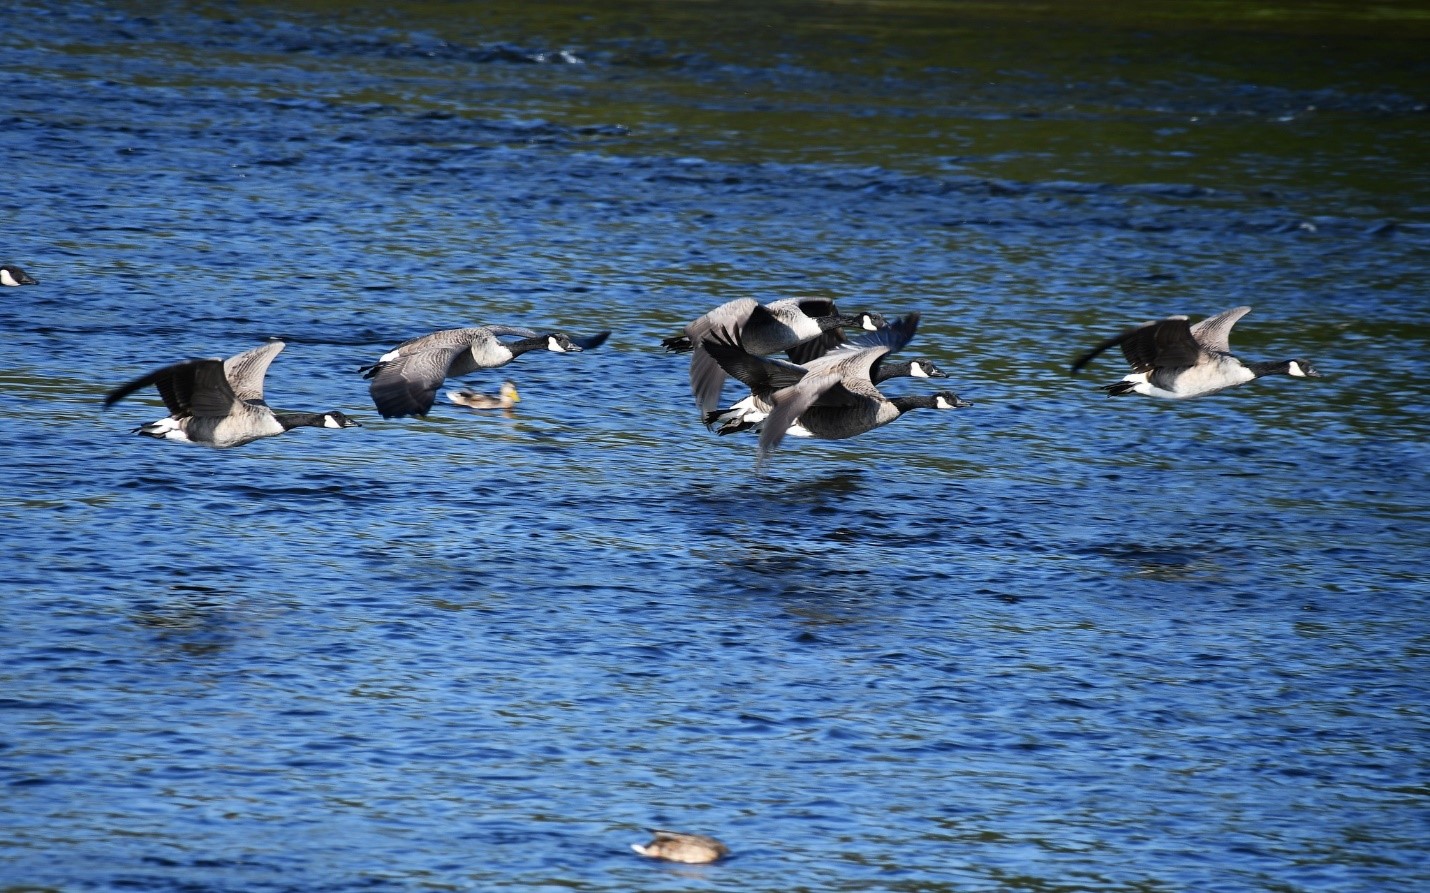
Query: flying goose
13, 275
764, 329
833, 397
674, 846
472, 400
219, 403
1176, 360
405, 379
749, 413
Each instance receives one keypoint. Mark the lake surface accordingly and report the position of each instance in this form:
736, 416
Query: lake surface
1051, 642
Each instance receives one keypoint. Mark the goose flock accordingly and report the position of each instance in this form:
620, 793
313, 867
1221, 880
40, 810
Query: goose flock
825, 386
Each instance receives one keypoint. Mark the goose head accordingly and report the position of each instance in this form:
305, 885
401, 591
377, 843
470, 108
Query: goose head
336, 419
559, 343
922, 368
870, 321
949, 400
13, 275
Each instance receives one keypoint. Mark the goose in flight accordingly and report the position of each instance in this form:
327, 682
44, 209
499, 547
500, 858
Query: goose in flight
749, 413
1174, 359
219, 403
833, 397
405, 379
763, 329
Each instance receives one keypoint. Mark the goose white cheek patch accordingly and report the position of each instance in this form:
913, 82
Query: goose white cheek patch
1294, 368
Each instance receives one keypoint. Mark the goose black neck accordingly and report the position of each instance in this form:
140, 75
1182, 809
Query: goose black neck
1276, 367
291, 420
518, 348
886, 371
916, 401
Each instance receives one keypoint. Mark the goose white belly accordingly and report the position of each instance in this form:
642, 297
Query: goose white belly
229, 431
1191, 381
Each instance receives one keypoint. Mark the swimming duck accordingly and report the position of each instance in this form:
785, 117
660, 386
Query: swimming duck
219, 403
832, 398
764, 329
406, 378
472, 400
674, 846
13, 275
1176, 360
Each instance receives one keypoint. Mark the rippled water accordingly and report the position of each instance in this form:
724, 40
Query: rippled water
1051, 642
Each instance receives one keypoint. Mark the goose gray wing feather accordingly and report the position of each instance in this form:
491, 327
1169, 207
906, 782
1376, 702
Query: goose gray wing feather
790, 404
177, 383
762, 375
816, 347
454, 338
822, 343
245, 371
862, 353
513, 331
586, 342
732, 315
1214, 332
895, 336
212, 396
1160, 342
1166, 343
407, 385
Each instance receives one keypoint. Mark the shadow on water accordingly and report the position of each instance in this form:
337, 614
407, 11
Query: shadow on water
194, 622
794, 541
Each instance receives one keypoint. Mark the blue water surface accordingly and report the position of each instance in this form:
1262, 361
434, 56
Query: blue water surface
1051, 642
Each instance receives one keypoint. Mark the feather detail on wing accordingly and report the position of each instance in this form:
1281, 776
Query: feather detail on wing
408, 384
762, 375
246, 371
1214, 332
789, 404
